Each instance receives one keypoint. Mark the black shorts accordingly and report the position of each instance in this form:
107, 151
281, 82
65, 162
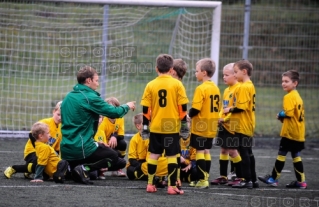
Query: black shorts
201, 143
169, 142
244, 140
225, 139
289, 145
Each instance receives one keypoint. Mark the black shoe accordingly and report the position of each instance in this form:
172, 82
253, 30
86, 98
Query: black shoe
256, 184
80, 175
244, 184
62, 168
158, 182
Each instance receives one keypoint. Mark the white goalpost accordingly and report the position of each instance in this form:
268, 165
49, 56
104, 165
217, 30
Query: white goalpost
44, 43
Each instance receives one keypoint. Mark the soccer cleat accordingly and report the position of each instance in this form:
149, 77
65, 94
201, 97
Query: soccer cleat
202, 184
159, 183
296, 184
231, 176
151, 188
219, 181
173, 190
9, 172
268, 180
244, 184
101, 176
184, 131
81, 175
62, 168
234, 182
28, 175
118, 173
192, 184
256, 184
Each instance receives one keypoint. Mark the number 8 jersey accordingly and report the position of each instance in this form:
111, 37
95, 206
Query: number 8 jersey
208, 101
163, 95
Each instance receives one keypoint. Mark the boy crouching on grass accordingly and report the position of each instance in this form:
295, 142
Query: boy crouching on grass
48, 161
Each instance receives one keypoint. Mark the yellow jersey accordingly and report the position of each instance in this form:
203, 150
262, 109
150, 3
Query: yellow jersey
100, 136
208, 101
293, 127
163, 95
229, 101
187, 152
138, 148
55, 137
109, 128
245, 99
47, 157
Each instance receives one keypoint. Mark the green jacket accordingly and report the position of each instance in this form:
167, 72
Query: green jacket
80, 112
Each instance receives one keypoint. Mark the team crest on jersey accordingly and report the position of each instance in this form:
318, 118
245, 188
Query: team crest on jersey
225, 103
51, 141
116, 127
185, 153
100, 138
230, 96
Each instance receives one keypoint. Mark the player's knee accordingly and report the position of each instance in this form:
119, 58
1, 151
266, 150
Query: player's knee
130, 172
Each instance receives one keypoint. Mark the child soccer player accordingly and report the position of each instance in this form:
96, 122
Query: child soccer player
138, 155
205, 110
114, 133
188, 171
243, 114
292, 133
226, 132
48, 160
30, 158
178, 72
167, 99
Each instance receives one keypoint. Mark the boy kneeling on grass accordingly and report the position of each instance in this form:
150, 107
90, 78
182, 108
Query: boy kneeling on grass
48, 161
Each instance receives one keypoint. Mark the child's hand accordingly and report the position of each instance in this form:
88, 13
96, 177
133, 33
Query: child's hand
279, 118
226, 110
113, 142
36, 181
187, 168
182, 159
221, 120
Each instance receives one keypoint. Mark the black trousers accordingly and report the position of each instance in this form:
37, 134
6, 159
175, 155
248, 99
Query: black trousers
103, 157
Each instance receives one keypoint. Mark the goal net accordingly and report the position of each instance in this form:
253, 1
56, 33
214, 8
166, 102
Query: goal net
43, 44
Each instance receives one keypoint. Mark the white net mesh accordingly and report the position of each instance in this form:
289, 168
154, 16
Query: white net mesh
42, 45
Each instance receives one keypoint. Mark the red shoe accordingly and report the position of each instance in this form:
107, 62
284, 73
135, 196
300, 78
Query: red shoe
173, 190
219, 181
151, 188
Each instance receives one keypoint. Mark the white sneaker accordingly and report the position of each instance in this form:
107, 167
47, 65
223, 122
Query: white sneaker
118, 173
231, 176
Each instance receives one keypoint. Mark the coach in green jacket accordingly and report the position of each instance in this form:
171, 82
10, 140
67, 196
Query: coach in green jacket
80, 111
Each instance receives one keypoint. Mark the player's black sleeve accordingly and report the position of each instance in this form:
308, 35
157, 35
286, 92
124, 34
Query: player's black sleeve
193, 112
145, 119
184, 108
236, 110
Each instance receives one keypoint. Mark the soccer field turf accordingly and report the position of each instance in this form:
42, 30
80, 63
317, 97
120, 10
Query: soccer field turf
116, 191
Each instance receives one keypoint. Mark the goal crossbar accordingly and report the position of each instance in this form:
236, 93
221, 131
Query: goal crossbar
176, 3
